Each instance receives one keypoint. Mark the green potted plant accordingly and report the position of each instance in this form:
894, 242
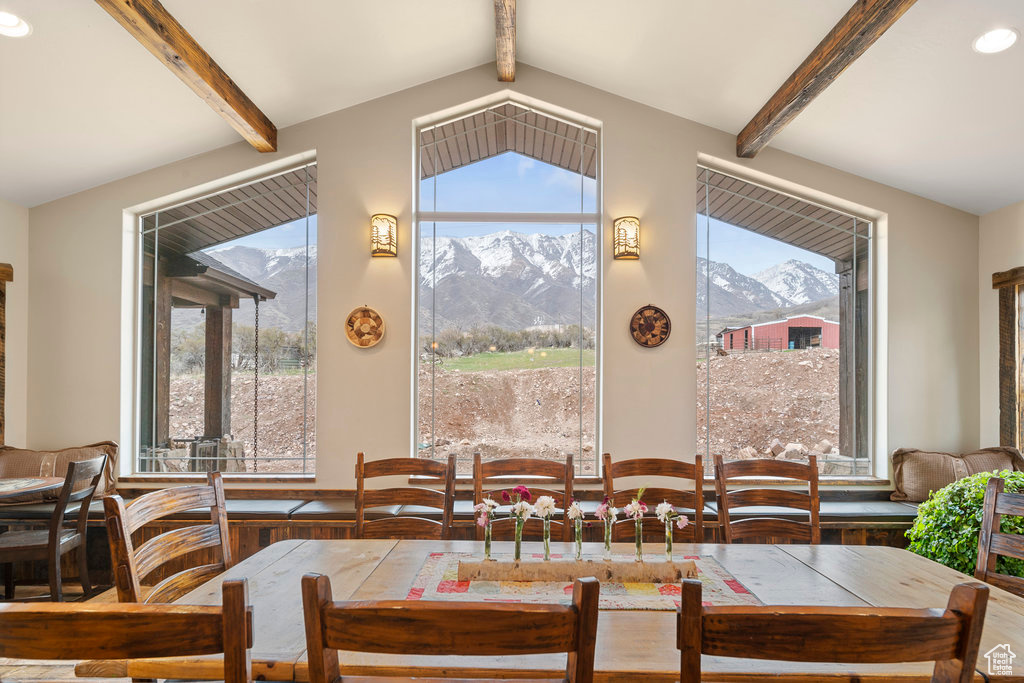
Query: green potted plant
948, 523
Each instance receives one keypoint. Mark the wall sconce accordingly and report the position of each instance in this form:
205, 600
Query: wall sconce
383, 235
626, 238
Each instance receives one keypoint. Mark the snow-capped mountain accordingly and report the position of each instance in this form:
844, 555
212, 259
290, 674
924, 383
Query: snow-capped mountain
515, 280
799, 283
731, 292
785, 285
280, 270
507, 278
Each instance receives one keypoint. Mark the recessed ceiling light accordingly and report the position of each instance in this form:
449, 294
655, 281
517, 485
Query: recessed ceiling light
996, 40
13, 26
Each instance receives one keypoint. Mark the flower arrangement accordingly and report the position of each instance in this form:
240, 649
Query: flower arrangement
484, 517
607, 512
636, 509
575, 513
666, 514
521, 511
545, 508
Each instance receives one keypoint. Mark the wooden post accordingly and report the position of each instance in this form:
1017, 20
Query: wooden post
1011, 356
217, 405
162, 349
6, 275
847, 356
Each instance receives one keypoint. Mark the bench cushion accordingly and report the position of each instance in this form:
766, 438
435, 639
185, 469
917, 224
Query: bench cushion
36, 512
241, 508
21, 462
339, 509
833, 511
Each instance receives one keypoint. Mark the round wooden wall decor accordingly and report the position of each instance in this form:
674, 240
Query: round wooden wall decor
364, 327
650, 326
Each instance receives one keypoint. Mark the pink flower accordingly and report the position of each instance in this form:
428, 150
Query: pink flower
481, 521
506, 497
682, 521
643, 506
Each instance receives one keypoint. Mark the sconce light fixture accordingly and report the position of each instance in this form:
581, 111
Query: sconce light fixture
383, 235
626, 238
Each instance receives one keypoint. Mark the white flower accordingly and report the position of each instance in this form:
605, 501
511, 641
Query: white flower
544, 507
665, 511
523, 510
635, 509
574, 511
491, 503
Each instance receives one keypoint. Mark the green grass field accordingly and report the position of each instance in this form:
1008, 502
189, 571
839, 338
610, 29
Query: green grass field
520, 360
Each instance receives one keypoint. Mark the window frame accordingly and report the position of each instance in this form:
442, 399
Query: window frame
1010, 287
421, 217
135, 233
874, 330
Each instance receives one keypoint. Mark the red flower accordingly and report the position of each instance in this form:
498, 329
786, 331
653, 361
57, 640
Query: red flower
506, 497
523, 493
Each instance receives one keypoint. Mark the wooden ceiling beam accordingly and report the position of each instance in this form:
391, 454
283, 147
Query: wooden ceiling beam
505, 39
862, 25
162, 35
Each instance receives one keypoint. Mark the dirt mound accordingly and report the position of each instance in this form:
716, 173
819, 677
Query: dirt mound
508, 413
756, 397
280, 423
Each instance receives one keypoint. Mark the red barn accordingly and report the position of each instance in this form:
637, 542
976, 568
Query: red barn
798, 332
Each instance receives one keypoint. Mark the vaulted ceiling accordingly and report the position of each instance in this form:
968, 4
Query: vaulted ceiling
81, 103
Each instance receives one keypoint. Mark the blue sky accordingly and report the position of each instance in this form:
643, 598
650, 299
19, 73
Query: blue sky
749, 253
283, 237
512, 182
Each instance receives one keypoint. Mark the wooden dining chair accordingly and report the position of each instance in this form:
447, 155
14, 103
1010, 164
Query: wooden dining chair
430, 499
131, 565
481, 629
992, 543
492, 477
52, 544
868, 635
120, 631
773, 527
691, 497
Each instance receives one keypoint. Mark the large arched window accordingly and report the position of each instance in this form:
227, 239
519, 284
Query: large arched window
507, 288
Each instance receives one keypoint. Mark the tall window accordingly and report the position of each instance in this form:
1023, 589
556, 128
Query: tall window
227, 330
783, 321
507, 289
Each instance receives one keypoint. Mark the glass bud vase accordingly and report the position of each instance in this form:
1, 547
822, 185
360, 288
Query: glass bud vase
487, 540
547, 539
608, 539
519, 539
668, 540
638, 521
578, 528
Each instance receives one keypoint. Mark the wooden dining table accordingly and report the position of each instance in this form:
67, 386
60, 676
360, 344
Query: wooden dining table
13, 487
631, 645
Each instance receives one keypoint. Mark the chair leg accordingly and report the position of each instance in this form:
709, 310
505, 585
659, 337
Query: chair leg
56, 594
83, 571
8, 581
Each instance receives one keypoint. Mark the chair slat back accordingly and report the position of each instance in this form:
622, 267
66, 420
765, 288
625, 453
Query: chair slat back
992, 542
78, 471
691, 497
950, 637
405, 526
117, 631
448, 628
131, 565
492, 477
775, 528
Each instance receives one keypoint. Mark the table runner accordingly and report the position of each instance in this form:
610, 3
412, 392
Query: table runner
438, 580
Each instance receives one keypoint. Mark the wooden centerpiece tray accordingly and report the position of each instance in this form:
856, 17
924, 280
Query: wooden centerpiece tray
570, 570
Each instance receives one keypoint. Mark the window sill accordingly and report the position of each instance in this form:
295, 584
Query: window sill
229, 477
